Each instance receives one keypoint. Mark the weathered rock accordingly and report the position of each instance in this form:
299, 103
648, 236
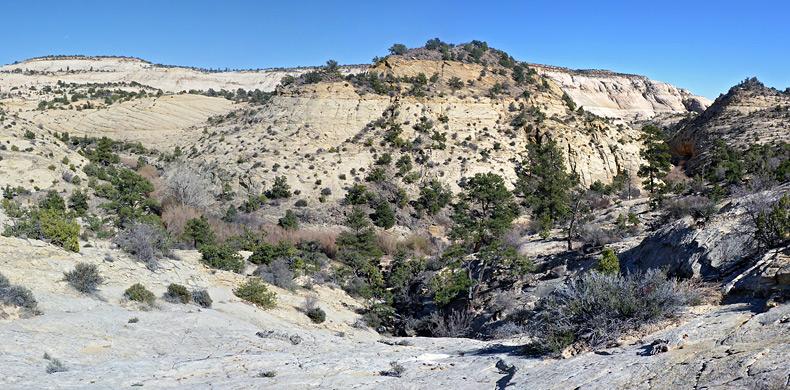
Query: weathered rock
711, 251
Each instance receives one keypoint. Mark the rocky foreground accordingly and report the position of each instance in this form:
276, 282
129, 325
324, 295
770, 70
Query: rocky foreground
233, 345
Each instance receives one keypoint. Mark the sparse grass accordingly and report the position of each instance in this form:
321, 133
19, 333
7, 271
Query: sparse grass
396, 370
84, 278
267, 374
54, 365
419, 243
175, 217
326, 238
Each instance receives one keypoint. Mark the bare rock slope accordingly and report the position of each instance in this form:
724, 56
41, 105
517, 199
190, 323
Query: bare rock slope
106, 342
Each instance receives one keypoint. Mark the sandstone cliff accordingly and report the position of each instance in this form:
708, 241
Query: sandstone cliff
82, 70
627, 97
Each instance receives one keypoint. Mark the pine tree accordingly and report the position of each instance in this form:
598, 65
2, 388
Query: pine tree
199, 231
357, 248
485, 211
289, 221
545, 183
384, 217
656, 152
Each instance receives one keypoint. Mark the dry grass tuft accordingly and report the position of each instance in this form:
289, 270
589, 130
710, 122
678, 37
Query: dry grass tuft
326, 238
175, 217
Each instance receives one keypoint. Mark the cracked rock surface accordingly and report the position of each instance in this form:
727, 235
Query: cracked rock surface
184, 346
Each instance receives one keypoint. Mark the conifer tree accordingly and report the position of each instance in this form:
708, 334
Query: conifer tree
545, 183
656, 153
485, 211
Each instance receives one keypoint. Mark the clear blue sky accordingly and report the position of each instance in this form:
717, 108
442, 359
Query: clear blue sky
703, 46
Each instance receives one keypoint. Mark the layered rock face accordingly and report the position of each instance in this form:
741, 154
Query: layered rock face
329, 114
81, 70
626, 97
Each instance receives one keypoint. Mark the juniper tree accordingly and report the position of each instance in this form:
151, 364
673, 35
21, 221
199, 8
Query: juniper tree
545, 183
656, 153
484, 212
198, 230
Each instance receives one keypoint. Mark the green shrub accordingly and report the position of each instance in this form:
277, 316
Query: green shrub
254, 290
265, 253
608, 263
16, 295
317, 315
201, 298
198, 230
138, 292
383, 216
54, 365
358, 194
280, 188
222, 257
78, 201
433, 197
61, 229
85, 278
596, 308
289, 221
773, 226
177, 293
53, 201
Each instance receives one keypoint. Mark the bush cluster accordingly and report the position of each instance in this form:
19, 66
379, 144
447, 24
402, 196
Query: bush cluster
177, 293
84, 278
15, 295
773, 225
50, 223
596, 308
201, 298
137, 292
222, 257
254, 290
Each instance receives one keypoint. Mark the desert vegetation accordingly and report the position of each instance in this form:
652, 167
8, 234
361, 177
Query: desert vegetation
438, 222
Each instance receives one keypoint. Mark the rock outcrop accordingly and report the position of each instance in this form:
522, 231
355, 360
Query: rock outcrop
622, 96
106, 342
43, 71
749, 114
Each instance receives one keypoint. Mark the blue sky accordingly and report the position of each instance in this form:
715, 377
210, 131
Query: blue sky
703, 46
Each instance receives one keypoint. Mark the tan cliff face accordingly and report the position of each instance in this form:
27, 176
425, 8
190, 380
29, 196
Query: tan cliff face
300, 125
80, 70
622, 96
